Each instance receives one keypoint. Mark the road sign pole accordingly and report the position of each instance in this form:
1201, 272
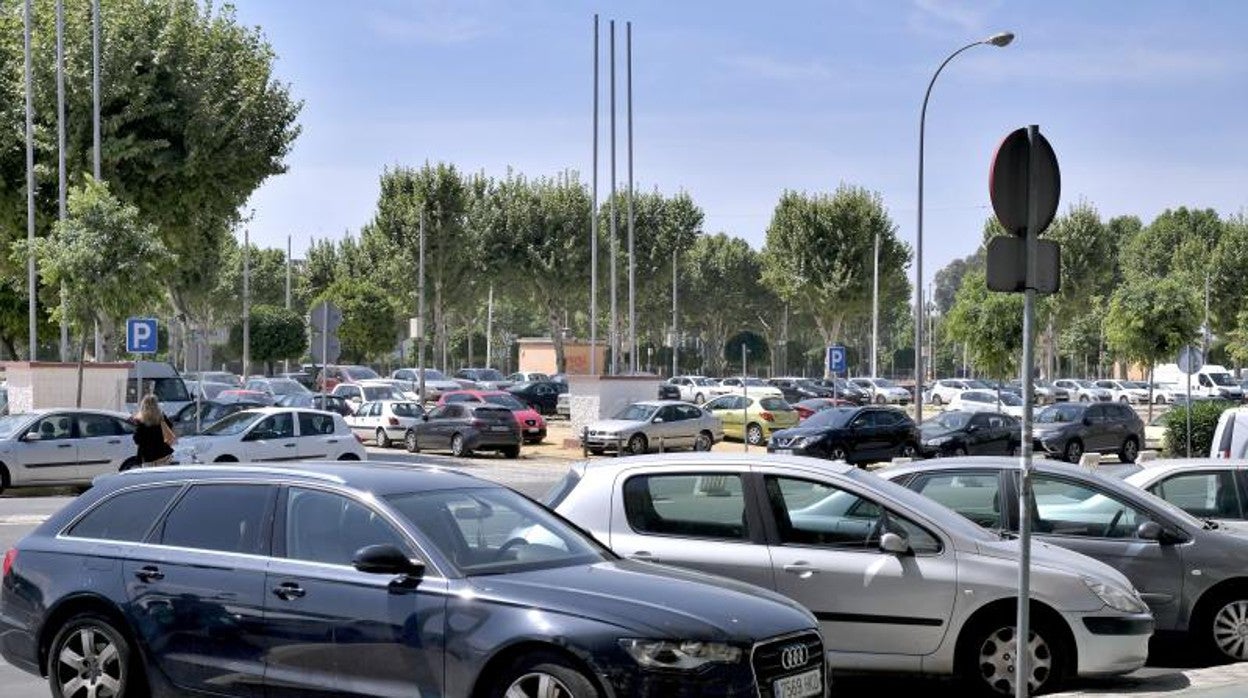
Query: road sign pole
745, 406
1188, 410
324, 353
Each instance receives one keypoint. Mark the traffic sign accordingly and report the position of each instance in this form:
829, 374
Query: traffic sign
1011, 187
325, 316
141, 335
325, 350
1191, 358
836, 359
1007, 265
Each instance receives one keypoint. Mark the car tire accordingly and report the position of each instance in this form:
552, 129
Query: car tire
881, 400
699, 399
908, 450
986, 665
114, 663
637, 444
959, 451
754, 434
511, 452
409, 441
838, 453
225, 459
1073, 451
348, 457
524, 676
1216, 623
458, 448
1084, 398
1159, 399
128, 464
1125, 400
937, 401
1130, 450
382, 439
704, 441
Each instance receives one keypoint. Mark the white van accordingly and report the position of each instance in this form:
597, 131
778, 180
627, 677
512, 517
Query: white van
162, 380
1211, 380
1230, 439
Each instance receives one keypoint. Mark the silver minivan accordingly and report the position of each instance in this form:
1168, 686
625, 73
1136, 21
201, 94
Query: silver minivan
898, 582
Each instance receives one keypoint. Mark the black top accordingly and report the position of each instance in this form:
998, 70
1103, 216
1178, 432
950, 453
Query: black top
151, 441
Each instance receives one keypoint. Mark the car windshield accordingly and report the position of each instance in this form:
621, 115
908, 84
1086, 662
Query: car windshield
490, 531
286, 386
703, 381
360, 373
833, 418
380, 392
1060, 414
884, 383
775, 404
9, 424
406, 409
233, 425
951, 421
1010, 399
488, 374
1223, 379
636, 413
507, 401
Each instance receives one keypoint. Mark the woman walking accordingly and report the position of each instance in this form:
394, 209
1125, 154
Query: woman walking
153, 434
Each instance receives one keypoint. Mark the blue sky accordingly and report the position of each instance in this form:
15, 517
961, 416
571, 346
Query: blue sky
735, 102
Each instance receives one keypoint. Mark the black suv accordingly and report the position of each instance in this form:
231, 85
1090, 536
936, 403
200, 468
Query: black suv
851, 434
1069, 430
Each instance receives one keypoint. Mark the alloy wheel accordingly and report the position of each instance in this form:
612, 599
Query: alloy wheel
754, 435
457, 445
998, 654
1230, 629
89, 665
538, 685
382, 439
702, 442
1130, 451
409, 440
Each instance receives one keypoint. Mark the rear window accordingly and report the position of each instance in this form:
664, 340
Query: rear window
775, 404
494, 414
406, 409
224, 518
125, 517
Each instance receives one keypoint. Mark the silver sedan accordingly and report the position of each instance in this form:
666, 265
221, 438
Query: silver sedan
654, 425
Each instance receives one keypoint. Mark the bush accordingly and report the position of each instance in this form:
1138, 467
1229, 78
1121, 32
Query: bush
1205, 414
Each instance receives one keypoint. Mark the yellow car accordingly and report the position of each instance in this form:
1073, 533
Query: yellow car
753, 418
1155, 433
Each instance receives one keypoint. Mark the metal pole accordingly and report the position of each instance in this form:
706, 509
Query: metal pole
60, 153
745, 393
420, 314
30, 197
615, 322
489, 328
289, 263
95, 128
1204, 335
247, 303
875, 309
675, 317
593, 228
632, 259
1188, 411
324, 354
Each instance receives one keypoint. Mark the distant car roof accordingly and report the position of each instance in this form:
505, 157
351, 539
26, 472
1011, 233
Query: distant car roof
1154, 469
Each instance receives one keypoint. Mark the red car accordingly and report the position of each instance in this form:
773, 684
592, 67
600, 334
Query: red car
333, 375
805, 408
532, 426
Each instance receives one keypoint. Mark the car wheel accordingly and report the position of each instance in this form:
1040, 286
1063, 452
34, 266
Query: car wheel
1222, 623
908, 450
1130, 450
409, 441
699, 399
129, 464
1083, 398
458, 449
90, 657
880, 400
1073, 451
225, 459
511, 452
937, 401
838, 453
543, 675
637, 444
348, 457
959, 451
989, 652
382, 439
754, 435
703, 441
1159, 400
1125, 400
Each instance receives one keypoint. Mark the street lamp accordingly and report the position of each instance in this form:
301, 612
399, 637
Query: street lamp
1002, 39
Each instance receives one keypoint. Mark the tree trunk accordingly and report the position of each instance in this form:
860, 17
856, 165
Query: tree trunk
9, 349
82, 358
1150, 392
555, 325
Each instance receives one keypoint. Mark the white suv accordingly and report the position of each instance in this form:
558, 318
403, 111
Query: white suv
944, 390
272, 434
695, 389
883, 391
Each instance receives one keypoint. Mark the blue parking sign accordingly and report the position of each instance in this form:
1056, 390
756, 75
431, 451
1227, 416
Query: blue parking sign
141, 335
836, 359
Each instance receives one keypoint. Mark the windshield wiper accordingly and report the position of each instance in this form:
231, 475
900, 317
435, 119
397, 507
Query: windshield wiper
1004, 534
1211, 525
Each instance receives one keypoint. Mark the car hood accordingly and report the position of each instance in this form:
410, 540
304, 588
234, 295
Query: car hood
1056, 559
196, 444
653, 601
931, 433
438, 385
614, 425
1051, 427
800, 431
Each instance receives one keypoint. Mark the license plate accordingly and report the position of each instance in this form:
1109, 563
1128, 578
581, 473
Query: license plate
500, 428
809, 683
534, 430
784, 451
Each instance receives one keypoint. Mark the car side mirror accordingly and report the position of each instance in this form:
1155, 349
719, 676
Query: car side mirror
972, 428
895, 544
32, 436
386, 559
657, 420
1149, 530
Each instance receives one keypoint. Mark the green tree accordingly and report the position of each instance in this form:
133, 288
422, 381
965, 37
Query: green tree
370, 322
192, 122
107, 260
818, 247
718, 280
990, 324
1178, 240
276, 334
1228, 284
267, 283
1150, 319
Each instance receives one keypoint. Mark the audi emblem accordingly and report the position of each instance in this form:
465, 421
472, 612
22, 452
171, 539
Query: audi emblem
794, 656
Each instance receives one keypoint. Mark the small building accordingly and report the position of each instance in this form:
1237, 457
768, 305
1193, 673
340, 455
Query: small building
538, 354
37, 385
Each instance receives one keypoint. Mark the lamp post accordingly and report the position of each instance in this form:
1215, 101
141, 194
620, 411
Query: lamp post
1000, 40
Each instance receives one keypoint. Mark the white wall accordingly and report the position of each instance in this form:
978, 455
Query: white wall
37, 386
601, 397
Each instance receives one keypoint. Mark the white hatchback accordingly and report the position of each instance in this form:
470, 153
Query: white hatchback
272, 434
987, 401
385, 421
64, 447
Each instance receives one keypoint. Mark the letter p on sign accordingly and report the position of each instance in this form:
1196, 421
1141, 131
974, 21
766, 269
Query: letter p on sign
141, 335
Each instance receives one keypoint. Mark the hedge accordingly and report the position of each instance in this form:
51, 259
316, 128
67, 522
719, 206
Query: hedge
1205, 414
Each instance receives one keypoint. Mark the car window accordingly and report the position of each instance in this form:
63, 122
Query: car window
406, 409
1209, 495
275, 426
125, 517
689, 412
1066, 508
330, 528
315, 424
96, 425
819, 514
977, 496
670, 414
460, 397
224, 518
887, 418
710, 505
53, 428
439, 412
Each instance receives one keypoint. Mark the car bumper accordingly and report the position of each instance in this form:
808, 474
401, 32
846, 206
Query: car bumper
493, 440
1111, 644
534, 434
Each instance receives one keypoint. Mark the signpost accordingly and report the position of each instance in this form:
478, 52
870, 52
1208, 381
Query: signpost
325, 319
836, 363
1025, 185
141, 338
1190, 360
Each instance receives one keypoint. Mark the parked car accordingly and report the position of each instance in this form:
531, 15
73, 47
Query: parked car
1046, 392
366, 391
385, 421
695, 389
944, 390
1069, 430
883, 391
379, 581
794, 390
303, 378
1230, 437
247, 397
276, 387
435, 382
750, 385
961, 433
885, 571
654, 424
1084, 390
161, 379
528, 377
206, 391
667, 391
543, 396
843, 389
1130, 392
271, 434
64, 447
1155, 433
852, 434
481, 379
983, 400
753, 419
531, 423
1191, 573
332, 375
1210, 381
464, 427
806, 408
1207, 488
215, 377
317, 401
202, 414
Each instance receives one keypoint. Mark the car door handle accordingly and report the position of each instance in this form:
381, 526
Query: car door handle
331, 441
643, 556
114, 441
289, 445
801, 568
64, 445
149, 573
289, 590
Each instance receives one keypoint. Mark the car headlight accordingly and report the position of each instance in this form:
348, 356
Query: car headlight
938, 441
684, 655
1117, 598
800, 442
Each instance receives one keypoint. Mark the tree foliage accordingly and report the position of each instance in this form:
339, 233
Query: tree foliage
276, 334
719, 281
990, 324
370, 324
1150, 319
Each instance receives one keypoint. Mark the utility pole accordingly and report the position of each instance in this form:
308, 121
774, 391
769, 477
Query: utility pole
675, 317
875, 309
60, 152
31, 290
489, 328
745, 393
632, 259
289, 263
615, 318
593, 229
1204, 334
95, 128
246, 302
420, 312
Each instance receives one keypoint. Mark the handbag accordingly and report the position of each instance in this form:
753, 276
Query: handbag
170, 437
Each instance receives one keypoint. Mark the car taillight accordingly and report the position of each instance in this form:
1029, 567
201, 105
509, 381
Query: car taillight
477, 423
394, 421
767, 416
1224, 454
9, 558
803, 413
358, 437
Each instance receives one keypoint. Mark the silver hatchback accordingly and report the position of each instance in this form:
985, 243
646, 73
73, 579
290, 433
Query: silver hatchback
654, 425
898, 582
